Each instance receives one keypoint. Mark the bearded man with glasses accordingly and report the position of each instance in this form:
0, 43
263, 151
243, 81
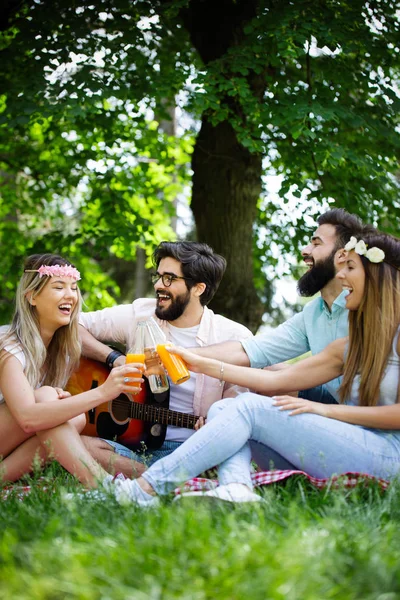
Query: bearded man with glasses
186, 278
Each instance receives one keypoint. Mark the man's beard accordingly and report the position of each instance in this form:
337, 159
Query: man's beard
176, 308
317, 277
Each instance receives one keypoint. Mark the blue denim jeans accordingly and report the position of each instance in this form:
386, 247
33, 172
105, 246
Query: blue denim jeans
148, 457
320, 446
318, 394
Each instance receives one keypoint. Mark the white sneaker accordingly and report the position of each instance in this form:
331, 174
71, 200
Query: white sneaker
101, 493
110, 480
232, 492
128, 491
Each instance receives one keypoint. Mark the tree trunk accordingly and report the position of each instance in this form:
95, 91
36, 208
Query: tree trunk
141, 275
226, 187
168, 126
226, 176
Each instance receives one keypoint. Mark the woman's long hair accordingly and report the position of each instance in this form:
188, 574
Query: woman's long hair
62, 355
373, 325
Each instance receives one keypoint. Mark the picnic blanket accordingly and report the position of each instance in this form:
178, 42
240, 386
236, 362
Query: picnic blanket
260, 479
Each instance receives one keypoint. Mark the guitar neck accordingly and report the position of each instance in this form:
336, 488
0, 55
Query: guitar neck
156, 414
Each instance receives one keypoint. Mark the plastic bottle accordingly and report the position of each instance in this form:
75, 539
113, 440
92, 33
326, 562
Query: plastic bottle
158, 380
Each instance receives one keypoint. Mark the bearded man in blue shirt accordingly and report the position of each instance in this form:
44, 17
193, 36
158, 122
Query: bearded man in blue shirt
321, 321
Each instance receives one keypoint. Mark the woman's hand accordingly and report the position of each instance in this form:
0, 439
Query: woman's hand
62, 393
126, 379
297, 406
193, 361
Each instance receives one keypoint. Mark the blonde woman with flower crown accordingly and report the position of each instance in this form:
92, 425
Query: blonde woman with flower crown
360, 434
38, 352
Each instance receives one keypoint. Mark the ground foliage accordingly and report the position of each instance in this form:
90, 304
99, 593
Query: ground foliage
305, 89
302, 543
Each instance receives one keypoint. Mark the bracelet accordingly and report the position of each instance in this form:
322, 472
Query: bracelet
112, 357
221, 374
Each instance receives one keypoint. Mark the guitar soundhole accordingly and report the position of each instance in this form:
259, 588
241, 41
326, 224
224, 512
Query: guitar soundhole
120, 409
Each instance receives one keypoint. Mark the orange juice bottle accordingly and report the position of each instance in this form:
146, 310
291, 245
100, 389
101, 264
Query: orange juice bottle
135, 358
136, 354
174, 364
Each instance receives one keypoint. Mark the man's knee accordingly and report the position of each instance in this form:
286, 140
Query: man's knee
94, 444
318, 394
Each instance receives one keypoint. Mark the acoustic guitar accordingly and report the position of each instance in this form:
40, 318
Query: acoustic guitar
138, 421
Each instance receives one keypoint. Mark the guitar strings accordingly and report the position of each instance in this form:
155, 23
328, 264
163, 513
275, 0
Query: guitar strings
168, 417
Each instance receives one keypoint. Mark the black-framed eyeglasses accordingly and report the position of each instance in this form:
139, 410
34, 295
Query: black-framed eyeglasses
167, 278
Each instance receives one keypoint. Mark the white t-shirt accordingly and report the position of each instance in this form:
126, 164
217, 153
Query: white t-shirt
181, 396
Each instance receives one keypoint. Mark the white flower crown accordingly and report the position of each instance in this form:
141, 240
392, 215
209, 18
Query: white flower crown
374, 255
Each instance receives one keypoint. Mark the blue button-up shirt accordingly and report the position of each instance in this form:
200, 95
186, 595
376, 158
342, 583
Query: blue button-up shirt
310, 330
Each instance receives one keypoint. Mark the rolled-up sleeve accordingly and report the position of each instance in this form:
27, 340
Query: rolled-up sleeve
286, 341
110, 324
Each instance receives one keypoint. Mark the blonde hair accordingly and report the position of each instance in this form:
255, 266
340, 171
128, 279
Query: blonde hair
373, 326
63, 353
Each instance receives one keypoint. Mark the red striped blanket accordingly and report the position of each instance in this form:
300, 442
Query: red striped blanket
260, 479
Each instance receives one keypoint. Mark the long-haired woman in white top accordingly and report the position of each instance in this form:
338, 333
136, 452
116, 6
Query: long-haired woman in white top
38, 353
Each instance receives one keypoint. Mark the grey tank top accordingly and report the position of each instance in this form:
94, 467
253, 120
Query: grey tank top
388, 390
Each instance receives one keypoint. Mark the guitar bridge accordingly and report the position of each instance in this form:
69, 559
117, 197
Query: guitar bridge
92, 412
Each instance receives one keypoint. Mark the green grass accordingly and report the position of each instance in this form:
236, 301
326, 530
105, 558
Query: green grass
302, 544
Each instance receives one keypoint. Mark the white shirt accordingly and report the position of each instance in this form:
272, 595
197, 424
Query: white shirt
181, 396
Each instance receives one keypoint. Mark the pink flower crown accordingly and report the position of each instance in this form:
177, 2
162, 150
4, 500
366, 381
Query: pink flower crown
57, 271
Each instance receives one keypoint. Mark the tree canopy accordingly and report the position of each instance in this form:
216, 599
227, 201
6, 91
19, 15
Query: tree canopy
306, 91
